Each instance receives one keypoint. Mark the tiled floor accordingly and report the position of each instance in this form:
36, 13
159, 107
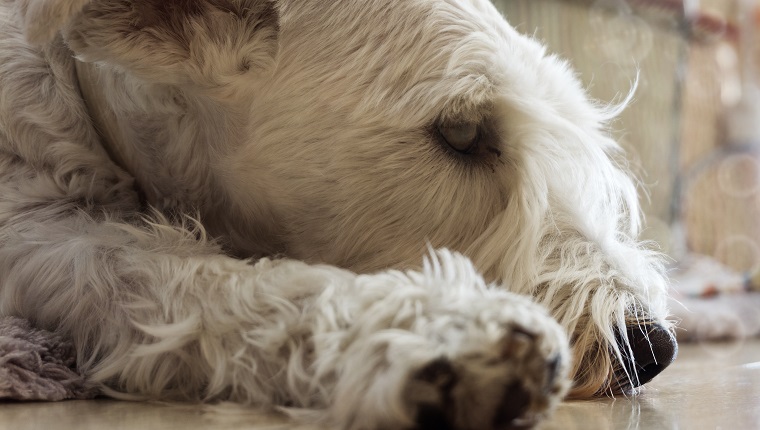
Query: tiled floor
712, 386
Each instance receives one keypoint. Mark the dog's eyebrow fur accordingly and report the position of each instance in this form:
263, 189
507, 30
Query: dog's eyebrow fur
463, 108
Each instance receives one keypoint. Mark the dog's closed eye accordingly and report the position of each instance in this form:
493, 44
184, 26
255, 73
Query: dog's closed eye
461, 137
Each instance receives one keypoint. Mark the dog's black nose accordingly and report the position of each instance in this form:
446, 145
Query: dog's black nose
653, 348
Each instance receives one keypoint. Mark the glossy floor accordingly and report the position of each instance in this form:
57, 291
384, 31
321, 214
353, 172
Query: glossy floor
711, 386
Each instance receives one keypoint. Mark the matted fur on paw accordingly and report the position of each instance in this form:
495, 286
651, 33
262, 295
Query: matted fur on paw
442, 349
508, 385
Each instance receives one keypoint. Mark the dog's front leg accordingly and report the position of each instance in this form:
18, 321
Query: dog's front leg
157, 313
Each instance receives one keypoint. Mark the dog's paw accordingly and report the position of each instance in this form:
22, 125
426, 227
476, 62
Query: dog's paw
496, 363
439, 349
510, 383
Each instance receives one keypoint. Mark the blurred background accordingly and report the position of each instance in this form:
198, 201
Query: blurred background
692, 133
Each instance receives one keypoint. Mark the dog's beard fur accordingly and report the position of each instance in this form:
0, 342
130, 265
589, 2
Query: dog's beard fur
327, 151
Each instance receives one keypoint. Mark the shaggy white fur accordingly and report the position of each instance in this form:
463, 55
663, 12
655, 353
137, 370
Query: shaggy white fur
147, 148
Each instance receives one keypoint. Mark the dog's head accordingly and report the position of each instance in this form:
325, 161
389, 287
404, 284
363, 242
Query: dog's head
357, 132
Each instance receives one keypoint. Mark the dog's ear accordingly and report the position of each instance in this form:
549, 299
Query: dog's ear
43, 19
209, 43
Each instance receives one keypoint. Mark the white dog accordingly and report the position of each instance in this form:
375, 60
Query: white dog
149, 147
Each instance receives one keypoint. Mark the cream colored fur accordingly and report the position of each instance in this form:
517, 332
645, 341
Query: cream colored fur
154, 157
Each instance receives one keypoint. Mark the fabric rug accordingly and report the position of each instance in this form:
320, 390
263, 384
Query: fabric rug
38, 365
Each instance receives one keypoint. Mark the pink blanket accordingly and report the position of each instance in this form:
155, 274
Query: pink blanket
38, 365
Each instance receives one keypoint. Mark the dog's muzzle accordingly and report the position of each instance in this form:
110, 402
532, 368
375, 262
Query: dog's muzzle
653, 348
